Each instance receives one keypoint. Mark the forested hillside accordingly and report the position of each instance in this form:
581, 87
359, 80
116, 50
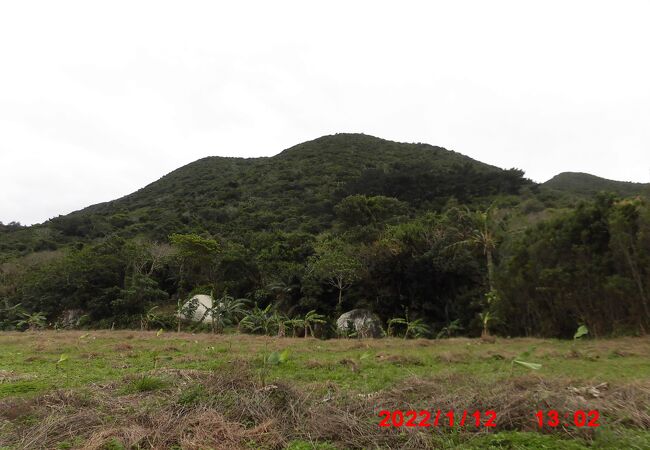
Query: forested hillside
409, 231
293, 191
584, 184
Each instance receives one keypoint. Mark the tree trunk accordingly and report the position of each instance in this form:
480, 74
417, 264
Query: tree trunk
490, 270
339, 309
638, 280
178, 304
180, 294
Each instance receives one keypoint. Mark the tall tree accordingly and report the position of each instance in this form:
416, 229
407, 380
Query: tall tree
484, 235
194, 255
335, 263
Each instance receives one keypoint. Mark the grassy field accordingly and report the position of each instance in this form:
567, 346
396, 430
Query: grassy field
127, 389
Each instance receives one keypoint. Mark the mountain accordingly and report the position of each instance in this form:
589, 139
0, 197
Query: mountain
584, 184
343, 222
295, 190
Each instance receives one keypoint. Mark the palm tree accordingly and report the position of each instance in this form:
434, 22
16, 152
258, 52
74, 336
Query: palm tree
485, 237
281, 292
416, 328
7, 308
450, 329
295, 324
33, 321
257, 319
279, 322
225, 311
8, 314
485, 319
312, 318
149, 318
394, 321
179, 313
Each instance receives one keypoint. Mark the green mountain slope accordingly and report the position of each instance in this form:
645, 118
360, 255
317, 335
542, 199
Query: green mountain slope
295, 190
584, 184
342, 222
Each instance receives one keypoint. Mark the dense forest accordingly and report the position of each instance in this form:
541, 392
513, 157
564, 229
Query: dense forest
409, 231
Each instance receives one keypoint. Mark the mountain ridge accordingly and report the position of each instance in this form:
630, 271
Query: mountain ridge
586, 184
294, 190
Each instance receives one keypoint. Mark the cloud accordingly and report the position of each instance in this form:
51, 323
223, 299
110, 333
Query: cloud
97, 100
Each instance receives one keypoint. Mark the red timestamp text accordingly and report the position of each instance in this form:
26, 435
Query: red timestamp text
553, 418
426, 418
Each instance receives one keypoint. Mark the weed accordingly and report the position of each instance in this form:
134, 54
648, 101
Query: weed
113, 444
525, 441
191, 396
145, 383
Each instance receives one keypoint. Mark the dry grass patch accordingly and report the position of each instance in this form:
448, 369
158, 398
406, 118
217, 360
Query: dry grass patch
14, 409
453, 357
516, 399
319, 399
316, 364
9, 376
123, 347
400, 360
232, 409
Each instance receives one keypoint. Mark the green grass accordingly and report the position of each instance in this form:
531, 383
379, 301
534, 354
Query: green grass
519, 440
145, 384
103, 356
191, 396
140, 363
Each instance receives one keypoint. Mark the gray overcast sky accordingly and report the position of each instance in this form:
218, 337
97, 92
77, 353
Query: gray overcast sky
98, 99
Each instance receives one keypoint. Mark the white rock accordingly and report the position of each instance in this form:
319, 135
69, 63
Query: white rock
199, 304
360, 321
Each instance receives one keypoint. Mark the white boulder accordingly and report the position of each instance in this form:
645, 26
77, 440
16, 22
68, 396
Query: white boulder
197, 308
361, 322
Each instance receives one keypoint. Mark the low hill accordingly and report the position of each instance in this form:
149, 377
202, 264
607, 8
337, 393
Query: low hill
584, 184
